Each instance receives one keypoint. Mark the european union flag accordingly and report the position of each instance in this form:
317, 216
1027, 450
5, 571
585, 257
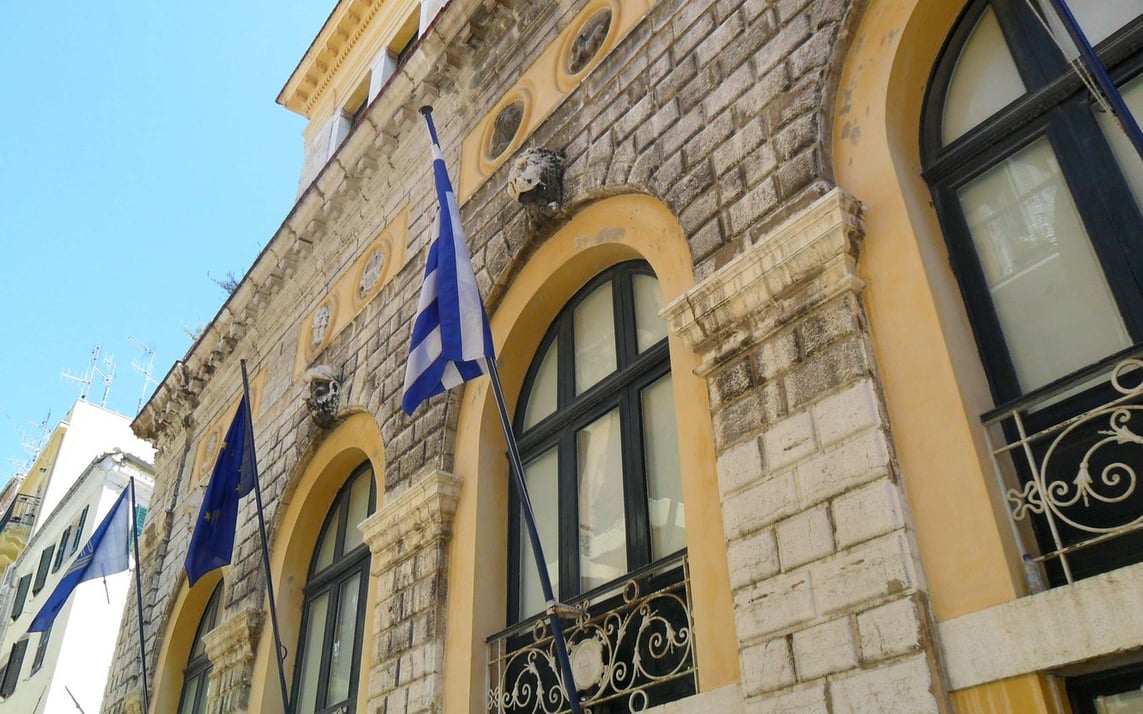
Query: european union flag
106, 553
451, 336
233, 477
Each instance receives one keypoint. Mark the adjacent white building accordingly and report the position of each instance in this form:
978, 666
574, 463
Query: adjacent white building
91, 457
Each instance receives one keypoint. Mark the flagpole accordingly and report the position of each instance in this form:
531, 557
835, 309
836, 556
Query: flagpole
517, 469
133, 535
1099, 73
278, 649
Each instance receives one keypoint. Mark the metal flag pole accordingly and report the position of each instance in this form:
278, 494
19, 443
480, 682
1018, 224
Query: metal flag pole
279, 651
1099, 73
553, 606
134, 536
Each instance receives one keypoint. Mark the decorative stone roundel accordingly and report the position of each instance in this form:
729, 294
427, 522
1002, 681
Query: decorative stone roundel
588, 41
319, 326
371, 273
505, 127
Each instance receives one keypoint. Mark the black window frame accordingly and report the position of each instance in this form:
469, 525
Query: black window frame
1056, 106
1082, 691
41, 649
634, 372
330, 580
21, 598
79, 529
12, 669
42, 569
62, 549
199, 667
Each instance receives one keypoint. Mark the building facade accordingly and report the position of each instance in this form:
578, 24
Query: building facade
816, 323
66, 667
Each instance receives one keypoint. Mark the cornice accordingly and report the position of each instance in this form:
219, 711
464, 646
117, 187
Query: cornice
342, 30
805, 261
390, 114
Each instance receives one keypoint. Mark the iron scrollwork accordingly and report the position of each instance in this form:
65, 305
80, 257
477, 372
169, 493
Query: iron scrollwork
629, 650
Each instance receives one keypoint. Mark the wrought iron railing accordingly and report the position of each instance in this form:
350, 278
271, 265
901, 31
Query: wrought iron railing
631, 646
1070, 456
25, 509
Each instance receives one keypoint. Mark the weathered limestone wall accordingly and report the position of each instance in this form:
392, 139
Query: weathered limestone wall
719, 108
830, 604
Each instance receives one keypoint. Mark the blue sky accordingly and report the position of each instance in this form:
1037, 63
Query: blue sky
141, 152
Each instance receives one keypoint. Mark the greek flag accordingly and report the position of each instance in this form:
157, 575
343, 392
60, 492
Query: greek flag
451, 336
104, 554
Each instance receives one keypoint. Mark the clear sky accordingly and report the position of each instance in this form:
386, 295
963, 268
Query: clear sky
141, 152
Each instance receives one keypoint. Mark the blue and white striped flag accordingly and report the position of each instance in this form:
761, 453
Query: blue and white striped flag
451, 336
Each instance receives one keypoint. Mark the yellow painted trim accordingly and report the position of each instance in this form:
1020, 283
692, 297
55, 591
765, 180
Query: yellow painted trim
210, 443
344, 298
306, 502
1028, 694
546, 84
934, 385
601, 235
174, 650
342, 54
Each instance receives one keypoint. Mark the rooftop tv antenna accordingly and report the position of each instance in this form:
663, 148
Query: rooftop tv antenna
106, 373
33, 445
147, 370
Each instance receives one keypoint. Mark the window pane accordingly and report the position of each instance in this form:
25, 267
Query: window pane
315, 627
649, 327
328, 543
358, 509
602, 527
1050, 294
341, 649
664, 482
542, 399
594, 325
1125, 703
1099, 19
540, 477
1125, 152
984, 82
190, 694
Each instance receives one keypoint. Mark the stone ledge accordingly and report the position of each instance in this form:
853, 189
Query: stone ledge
415, 517
232, 642
1095, 617
802, 263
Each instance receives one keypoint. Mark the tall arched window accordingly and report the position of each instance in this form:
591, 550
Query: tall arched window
196, 676
596, 425
329, 650
1038, 191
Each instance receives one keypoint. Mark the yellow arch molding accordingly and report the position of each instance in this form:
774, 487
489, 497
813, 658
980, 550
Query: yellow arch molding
309, 496
934, 385
600, 235
185, 615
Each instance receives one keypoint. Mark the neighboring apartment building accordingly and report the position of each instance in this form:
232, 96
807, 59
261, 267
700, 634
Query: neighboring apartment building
819, 325
65, 668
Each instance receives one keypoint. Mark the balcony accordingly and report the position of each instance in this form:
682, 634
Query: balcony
1070, 457
631, 647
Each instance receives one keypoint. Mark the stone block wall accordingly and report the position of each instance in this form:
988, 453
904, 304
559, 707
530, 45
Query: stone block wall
830, 605
718, 107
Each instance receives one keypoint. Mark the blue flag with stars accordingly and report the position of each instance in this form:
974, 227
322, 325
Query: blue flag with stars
233, 477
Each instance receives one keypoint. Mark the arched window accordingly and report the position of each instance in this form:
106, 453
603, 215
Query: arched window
596, 426
196, 676
1038, 191
329, 647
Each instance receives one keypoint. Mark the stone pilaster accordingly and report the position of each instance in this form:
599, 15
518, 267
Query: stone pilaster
830, 608
409, 538
231, 646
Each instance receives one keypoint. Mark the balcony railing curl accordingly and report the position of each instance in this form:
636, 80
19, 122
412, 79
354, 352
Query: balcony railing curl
1070, 456
631, 647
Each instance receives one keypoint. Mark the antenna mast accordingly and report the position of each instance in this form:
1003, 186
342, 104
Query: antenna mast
147, 370
105, 373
